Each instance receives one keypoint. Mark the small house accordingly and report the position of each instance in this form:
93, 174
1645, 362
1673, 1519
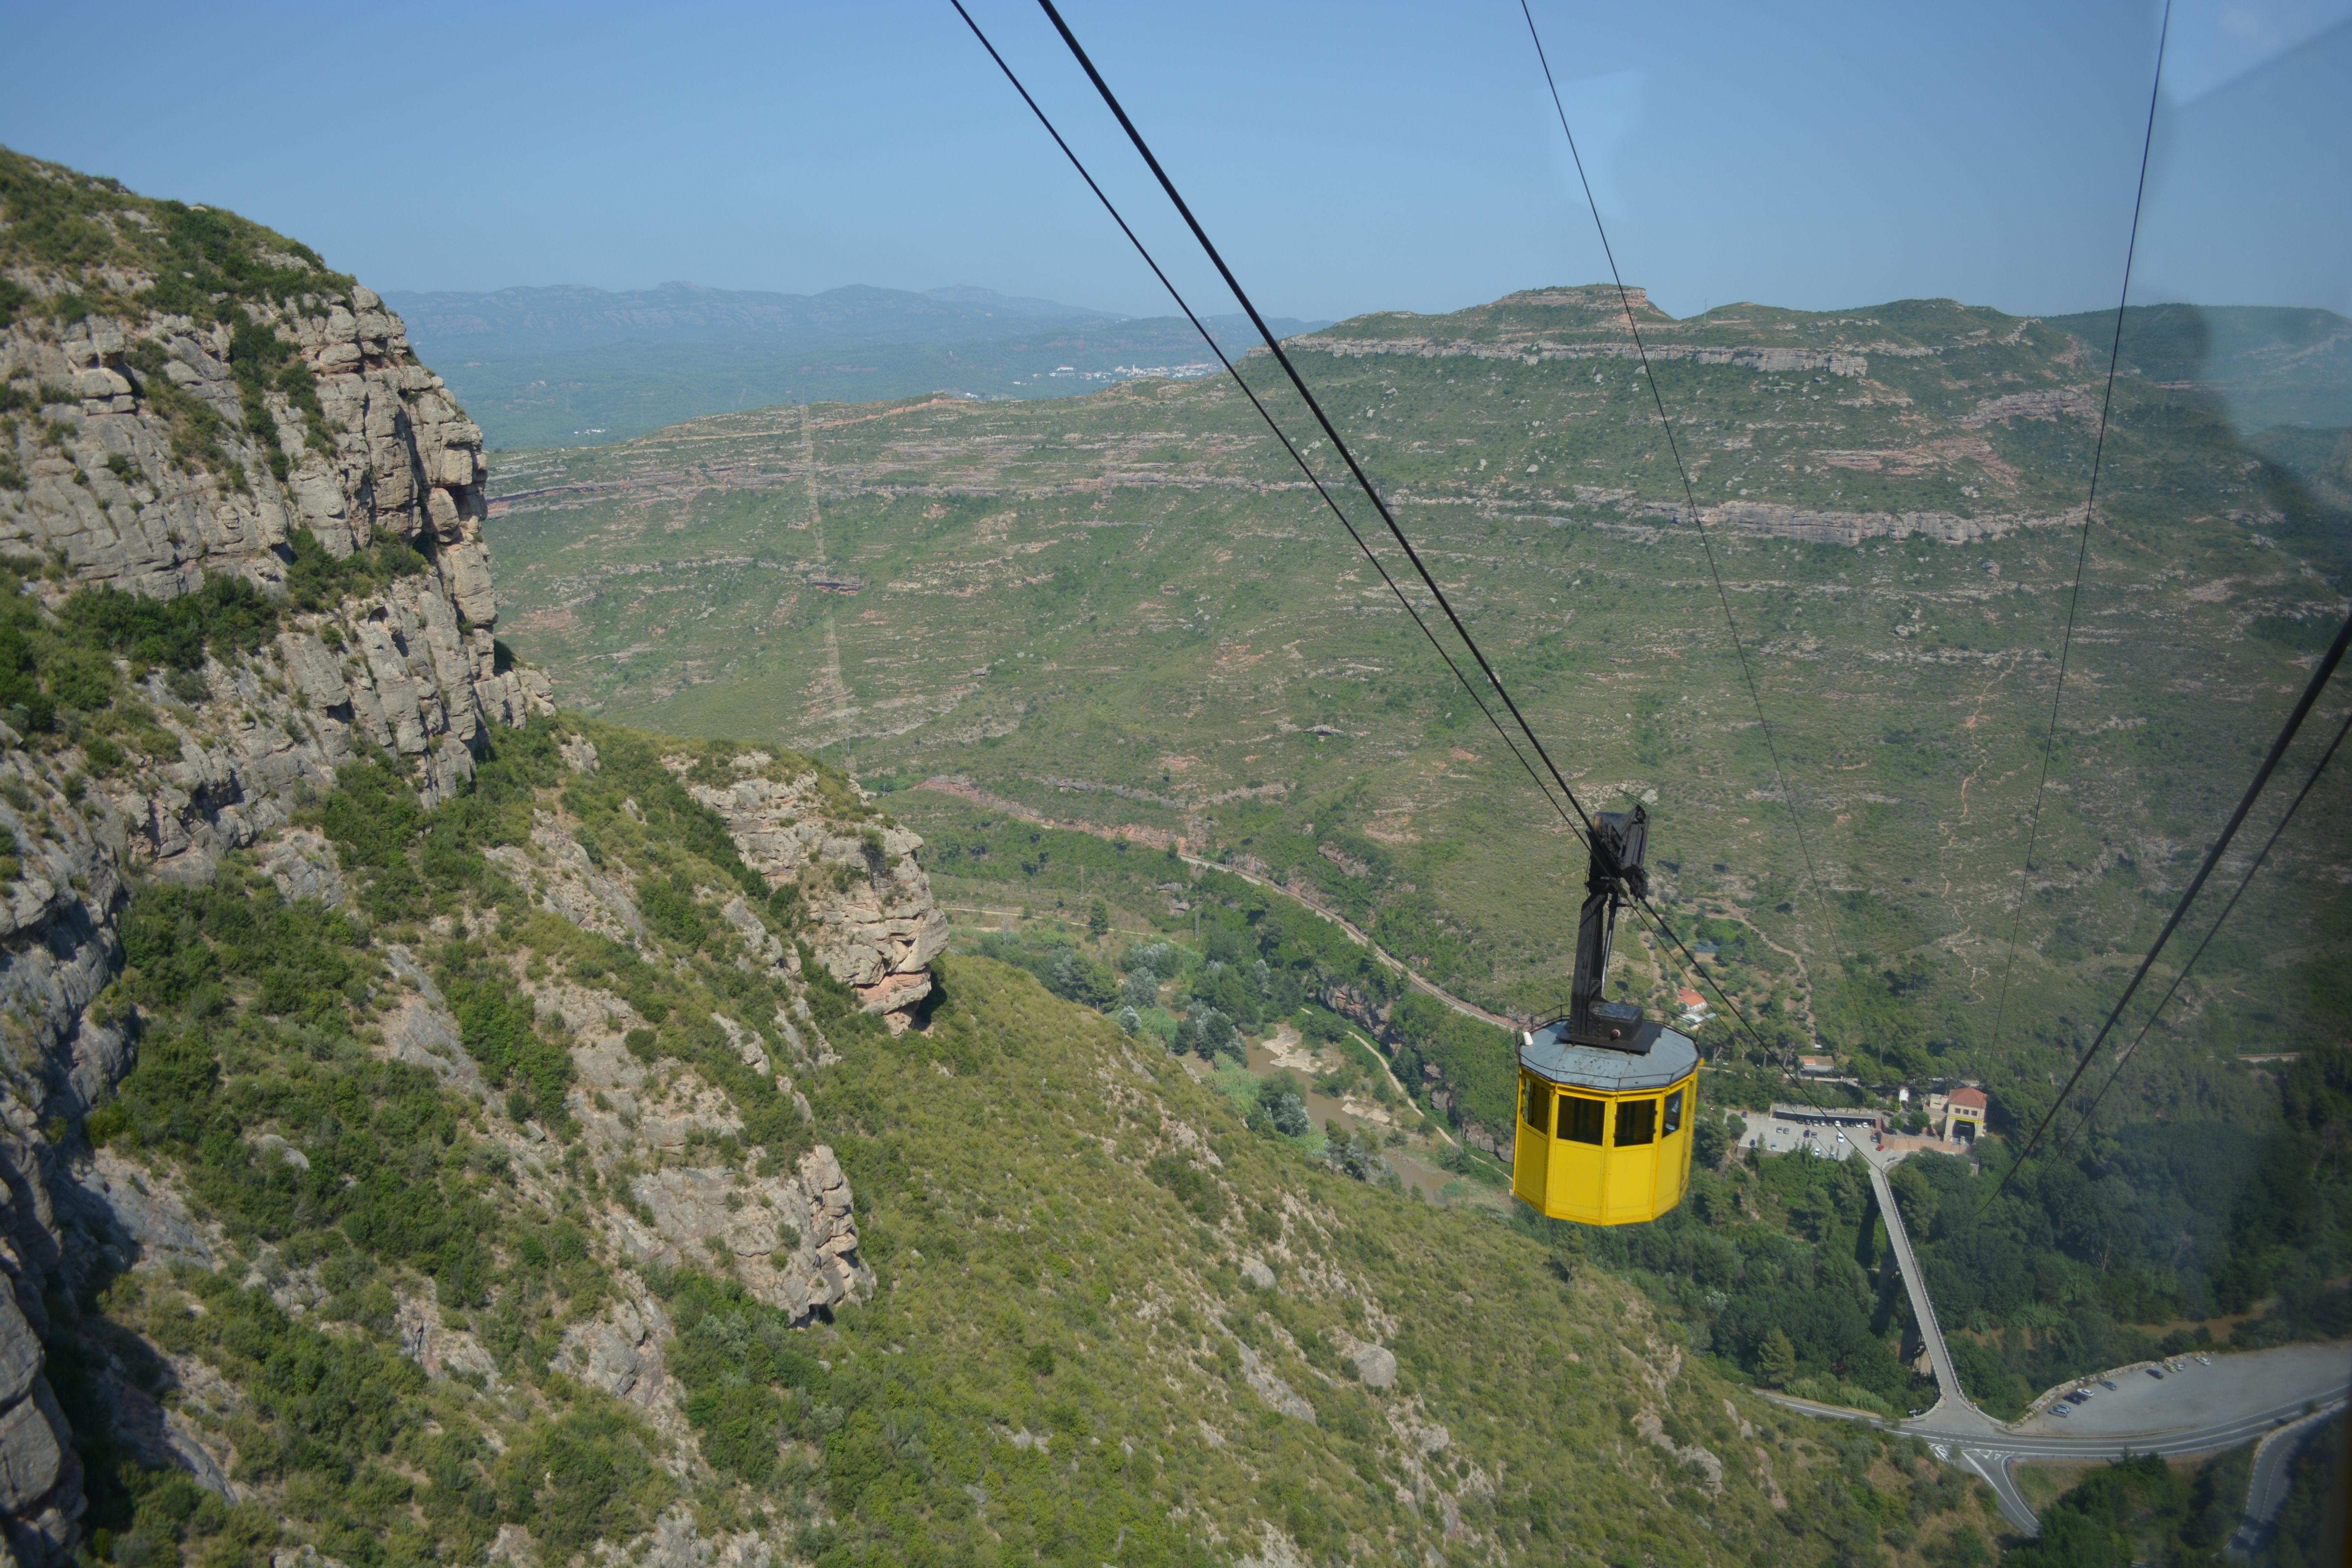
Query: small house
1964, 1115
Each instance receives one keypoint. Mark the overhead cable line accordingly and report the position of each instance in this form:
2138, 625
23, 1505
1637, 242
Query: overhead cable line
1582, 824
1247, 391
1690, 494
2219, 921
1706, 543
2303, 706
2083, 546
1273, 346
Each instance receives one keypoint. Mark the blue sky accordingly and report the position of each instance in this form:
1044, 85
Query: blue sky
1350, 156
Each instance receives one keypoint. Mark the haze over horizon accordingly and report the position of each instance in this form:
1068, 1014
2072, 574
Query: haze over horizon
1370, 159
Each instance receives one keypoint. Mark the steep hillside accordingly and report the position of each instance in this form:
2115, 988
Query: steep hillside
2272, 365
438, 1129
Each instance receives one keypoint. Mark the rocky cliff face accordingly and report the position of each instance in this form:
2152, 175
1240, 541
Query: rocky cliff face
876, 926
111, 497
285, 439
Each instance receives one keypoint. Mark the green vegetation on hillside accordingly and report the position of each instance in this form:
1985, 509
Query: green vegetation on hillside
61, 684
258, 1089
2275, 365
1150, 1287
2139, 1511
1115, 613
1781, 1268
202, 261
2158, 1224
2314, 1493
1050, 1211
2082, 1264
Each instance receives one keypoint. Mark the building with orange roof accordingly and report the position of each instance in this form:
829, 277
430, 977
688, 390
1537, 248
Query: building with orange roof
1964, 1114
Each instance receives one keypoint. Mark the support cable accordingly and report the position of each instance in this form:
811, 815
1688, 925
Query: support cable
1273, 346
1690, 494
1263, 413
1580, 823
2083, 546
2311, 690
2219, 921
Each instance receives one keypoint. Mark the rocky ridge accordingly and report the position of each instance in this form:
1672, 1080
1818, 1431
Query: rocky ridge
1764, 360
414, 668
151, 466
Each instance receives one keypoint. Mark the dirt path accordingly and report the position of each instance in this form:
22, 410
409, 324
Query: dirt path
1804, 975
1387, 959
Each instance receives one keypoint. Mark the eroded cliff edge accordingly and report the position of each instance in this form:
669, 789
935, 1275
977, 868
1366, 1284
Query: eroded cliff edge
253, 436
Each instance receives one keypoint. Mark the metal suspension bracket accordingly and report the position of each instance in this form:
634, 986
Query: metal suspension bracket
1616, 875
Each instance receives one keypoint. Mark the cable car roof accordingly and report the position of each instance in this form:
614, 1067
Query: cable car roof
1655, 1057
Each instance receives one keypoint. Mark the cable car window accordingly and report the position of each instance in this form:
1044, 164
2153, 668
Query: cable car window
1637, 1122
1580, 1119
1673, 1114
1538, 1106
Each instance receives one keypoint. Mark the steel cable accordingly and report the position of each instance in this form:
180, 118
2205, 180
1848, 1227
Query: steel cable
2083, 546
2319, 677
1674, 447
1273, 346
1263, 413
1581, 823
2219, 921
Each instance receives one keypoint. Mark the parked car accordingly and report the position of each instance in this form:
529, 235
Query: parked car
2157, 1373
2078, 1397
2060, 1410
2107, 1383
2204, 1361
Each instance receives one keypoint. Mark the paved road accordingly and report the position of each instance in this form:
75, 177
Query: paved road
2201, 1409
1989, 1451
1952, 1406
2266, 1490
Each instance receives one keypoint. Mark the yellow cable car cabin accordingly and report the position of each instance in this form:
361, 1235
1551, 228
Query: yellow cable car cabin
1604, 1135
1607, 1098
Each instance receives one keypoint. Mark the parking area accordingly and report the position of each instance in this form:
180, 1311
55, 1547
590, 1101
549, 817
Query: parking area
1776, 1135
2233, 1388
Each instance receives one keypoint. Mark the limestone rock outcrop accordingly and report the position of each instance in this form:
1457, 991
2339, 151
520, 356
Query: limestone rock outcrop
1765, 360
292, 443
874, 924
793, 1240
102, 488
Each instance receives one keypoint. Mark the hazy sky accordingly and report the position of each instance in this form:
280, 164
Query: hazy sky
1350, 156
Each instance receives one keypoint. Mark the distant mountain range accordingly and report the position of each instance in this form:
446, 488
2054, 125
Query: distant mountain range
568, 366
573, 316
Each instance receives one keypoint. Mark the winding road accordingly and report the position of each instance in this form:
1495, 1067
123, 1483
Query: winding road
2198, 1409
2266, 1488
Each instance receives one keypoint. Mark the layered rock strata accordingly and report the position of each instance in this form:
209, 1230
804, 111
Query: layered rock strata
873, 925
411, 667
291, 442
1767, 360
